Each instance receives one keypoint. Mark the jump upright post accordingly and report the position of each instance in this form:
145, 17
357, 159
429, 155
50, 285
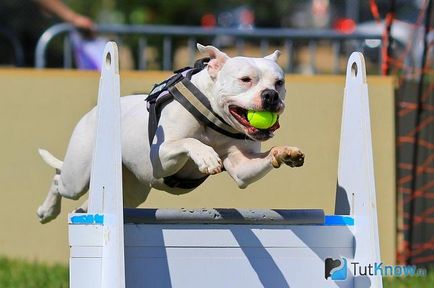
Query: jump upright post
116, 247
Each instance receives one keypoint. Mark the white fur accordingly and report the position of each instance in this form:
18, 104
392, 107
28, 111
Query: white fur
182, 146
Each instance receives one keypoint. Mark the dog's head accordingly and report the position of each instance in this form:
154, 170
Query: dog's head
240, 84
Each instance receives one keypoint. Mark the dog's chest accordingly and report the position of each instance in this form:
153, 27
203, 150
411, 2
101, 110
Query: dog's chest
220, 143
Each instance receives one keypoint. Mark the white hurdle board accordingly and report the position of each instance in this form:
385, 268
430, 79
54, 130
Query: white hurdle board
105, 193
116, 247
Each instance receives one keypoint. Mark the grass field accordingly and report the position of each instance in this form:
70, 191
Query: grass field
22, 274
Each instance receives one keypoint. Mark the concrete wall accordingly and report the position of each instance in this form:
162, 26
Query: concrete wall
40, 109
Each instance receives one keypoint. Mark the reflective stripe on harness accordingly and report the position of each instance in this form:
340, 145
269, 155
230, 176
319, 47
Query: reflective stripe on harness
198, 105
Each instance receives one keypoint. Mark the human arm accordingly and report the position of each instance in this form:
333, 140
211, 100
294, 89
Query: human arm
61, 10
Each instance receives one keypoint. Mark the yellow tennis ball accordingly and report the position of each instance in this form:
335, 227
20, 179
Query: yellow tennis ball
261, 119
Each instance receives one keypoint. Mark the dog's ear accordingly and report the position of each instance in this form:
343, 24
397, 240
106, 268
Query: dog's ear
218, 58
274, 56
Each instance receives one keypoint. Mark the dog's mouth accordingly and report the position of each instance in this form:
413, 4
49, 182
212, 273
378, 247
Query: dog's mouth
240, 114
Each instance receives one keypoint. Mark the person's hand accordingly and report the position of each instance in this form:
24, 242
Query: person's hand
56, 7
83, 23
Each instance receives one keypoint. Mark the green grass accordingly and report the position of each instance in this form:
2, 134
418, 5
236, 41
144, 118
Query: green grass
23, 274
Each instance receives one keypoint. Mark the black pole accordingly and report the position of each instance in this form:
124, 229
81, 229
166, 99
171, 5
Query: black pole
389, 21
419, 112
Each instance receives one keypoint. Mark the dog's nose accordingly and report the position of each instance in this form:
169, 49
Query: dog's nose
270, 99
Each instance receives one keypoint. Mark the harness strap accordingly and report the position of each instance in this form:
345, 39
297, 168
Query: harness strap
183, 183
154, 108
198, 104
154, 115
180, 88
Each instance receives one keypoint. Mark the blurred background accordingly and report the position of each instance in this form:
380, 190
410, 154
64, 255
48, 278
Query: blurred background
307, 30
315, 37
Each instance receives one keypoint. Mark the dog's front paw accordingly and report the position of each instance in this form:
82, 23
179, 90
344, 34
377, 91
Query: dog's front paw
206, 159
291, 156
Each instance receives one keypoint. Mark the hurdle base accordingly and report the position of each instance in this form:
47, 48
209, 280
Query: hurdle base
189, 254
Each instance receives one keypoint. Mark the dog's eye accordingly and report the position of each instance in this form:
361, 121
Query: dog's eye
279, 83
246, 79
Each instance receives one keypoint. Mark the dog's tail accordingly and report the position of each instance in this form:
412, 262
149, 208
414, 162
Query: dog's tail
50, 159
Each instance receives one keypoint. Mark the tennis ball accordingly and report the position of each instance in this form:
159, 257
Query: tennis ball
261, 119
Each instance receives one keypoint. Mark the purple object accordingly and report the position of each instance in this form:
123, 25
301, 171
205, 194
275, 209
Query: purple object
88, 52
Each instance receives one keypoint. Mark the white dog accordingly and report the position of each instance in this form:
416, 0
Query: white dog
184, 149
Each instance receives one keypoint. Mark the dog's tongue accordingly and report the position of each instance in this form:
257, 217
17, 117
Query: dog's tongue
252, 129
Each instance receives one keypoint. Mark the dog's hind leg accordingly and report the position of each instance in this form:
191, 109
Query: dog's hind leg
64, 184
52, 204
51, 207
72, 176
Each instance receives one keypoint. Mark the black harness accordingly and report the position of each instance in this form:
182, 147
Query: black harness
179, 88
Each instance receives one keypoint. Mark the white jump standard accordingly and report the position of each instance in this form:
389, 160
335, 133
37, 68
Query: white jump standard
116, 247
